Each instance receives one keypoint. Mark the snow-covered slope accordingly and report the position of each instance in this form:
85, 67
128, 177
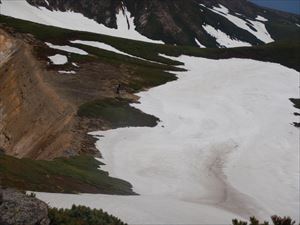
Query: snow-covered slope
256, 28
58, 59
67, 48
21, 9
223, 39
202, 23
225, 148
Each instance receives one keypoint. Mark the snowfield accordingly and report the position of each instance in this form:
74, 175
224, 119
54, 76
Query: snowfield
261, 18
259, 30
66, 72
199, 44
21, 9
225, 148
67, 48
223, 39
100, 45
58, 59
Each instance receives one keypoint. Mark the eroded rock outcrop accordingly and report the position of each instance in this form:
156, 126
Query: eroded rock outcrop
20, 209
34, 120
7, 47
38, 106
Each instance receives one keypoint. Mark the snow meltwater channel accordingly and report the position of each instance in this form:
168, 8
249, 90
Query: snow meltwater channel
225, 148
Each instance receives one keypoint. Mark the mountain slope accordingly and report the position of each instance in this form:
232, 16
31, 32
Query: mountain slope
130, 69
203, 23
39, 103
225, 135
24, 113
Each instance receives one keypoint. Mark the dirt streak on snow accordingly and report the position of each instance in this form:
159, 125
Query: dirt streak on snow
225, 148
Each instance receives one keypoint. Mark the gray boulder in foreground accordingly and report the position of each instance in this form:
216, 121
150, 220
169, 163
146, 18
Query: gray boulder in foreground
17, 208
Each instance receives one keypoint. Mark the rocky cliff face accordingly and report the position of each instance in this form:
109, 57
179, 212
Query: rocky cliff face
19, 209
38, 105
34, 119
7, 47
181, 22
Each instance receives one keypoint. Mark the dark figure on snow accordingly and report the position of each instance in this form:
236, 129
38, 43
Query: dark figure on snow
118, 89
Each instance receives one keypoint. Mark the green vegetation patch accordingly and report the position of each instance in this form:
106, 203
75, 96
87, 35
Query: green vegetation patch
276, 220
283, 31
81, 215
144, 77
117, 112
285, 52
72, 175
296, 102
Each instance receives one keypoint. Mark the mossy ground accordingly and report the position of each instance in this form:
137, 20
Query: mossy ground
62, 175
296, 103
117, 112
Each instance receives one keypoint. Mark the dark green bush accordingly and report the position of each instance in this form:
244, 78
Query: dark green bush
277, 220
82, 215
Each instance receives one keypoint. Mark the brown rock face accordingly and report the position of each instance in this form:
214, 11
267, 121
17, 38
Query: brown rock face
6, 47
34, 120
38, 106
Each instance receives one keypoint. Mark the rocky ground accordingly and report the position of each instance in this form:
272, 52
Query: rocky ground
17, 208
31, 110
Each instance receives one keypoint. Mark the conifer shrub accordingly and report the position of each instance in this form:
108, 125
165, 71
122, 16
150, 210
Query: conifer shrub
276, 220
82, 215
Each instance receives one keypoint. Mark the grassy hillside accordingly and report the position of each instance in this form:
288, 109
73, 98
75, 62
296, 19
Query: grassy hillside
73, 175
117, 112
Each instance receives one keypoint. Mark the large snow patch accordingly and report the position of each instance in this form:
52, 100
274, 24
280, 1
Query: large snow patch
225, 148
21, 9
260, 30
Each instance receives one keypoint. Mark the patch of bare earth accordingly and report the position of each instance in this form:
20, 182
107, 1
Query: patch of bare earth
38, 106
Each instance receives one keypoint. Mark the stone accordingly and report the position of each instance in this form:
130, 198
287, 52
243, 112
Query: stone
18, 208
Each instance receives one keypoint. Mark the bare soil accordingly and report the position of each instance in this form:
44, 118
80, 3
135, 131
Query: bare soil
38, 106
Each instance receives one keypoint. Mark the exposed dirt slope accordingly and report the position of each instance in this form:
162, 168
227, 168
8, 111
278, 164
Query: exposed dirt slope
34, 119
38, 105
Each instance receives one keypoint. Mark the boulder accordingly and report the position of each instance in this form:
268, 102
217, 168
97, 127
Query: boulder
17, 208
